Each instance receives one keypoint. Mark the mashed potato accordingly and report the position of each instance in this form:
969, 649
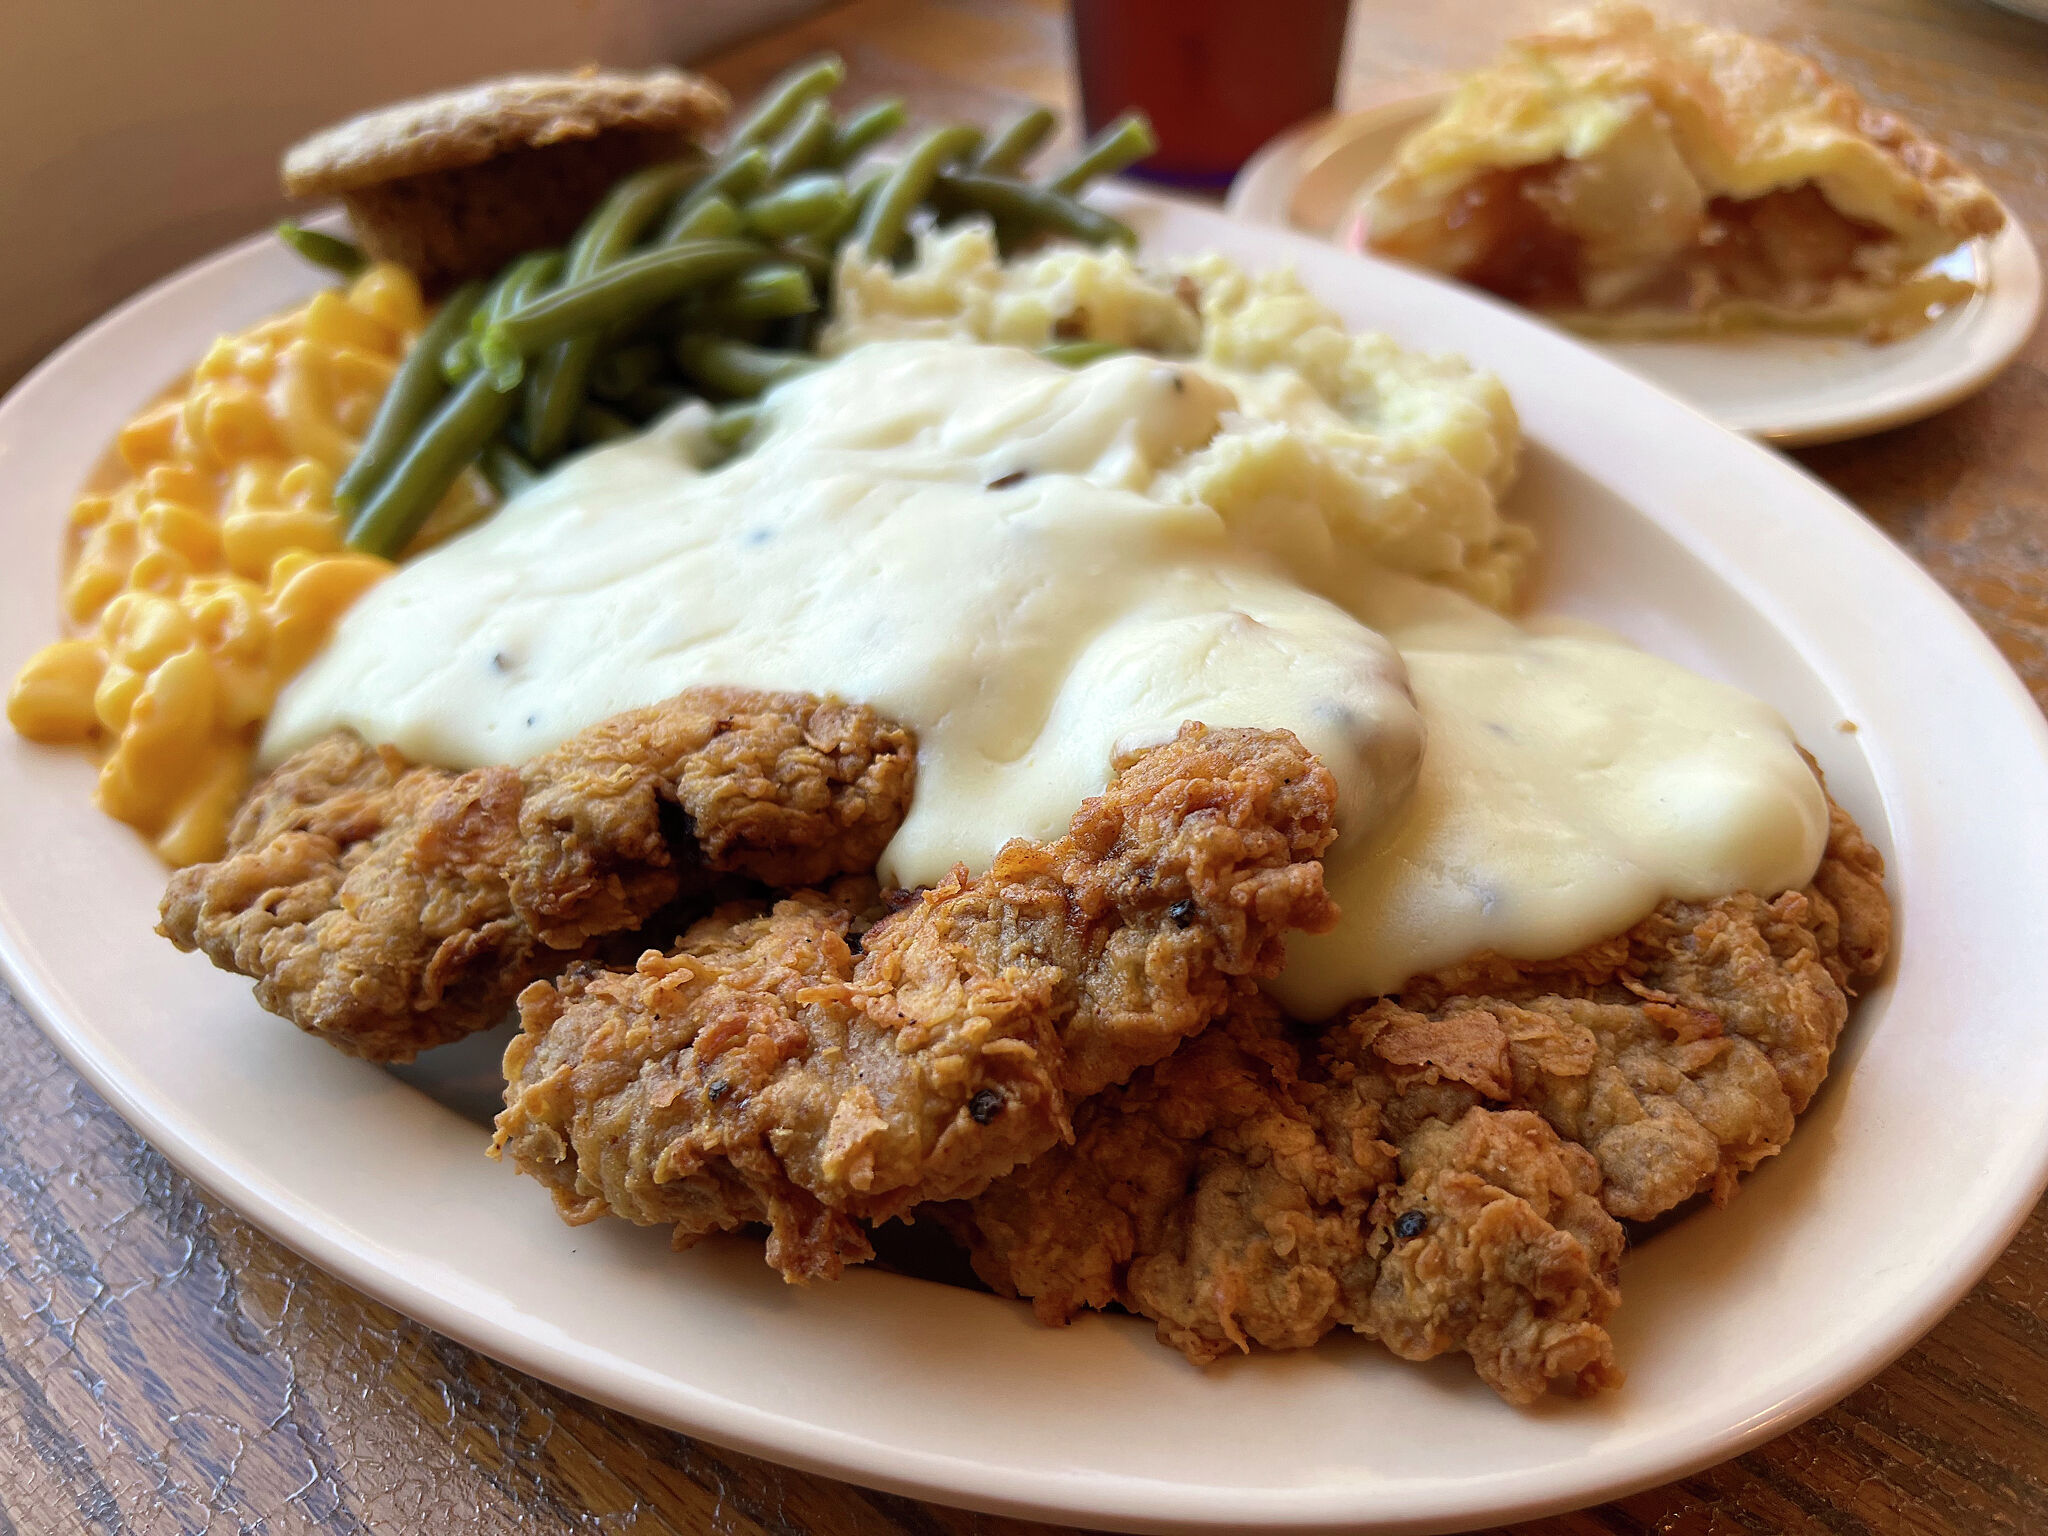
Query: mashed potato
1403, 455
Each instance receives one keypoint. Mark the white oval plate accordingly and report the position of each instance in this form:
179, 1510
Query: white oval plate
1917, 1163
1786, 388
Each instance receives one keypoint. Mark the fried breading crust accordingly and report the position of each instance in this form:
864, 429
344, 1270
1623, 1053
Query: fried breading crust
1240, 1194
1514, 1262
1414, 1172
390, 908
762, 1072
1218, 1194
1680, 1053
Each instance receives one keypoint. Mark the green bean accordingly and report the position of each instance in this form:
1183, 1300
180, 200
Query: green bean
453, 436
735, 369
713, 219
866, 128
560, 378
507, 469
858, 196
621, 291
772, 292
1079, 354
619, 372
732, 424
458, 358
1018, 204
784, 96
622, 218
329, 251
803, 206
532, 274
415, 389
804, 144
1123, 143
656, 399
887, 214
808, 252
522, 277
792, 333
595, 424
735, 179
812, 249
1018, 142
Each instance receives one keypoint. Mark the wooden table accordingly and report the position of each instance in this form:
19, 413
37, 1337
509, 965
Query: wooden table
165, 1368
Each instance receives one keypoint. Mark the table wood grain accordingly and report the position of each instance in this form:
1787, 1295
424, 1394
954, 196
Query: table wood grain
166, 1368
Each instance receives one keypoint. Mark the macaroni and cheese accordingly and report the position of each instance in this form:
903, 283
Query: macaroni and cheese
215, 567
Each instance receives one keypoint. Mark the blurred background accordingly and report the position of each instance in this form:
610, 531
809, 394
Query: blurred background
172, 149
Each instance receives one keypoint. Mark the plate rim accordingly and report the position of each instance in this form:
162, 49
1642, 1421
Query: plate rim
924, 1474
1263, 191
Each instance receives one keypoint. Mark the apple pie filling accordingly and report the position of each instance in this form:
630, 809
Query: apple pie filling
1513, 233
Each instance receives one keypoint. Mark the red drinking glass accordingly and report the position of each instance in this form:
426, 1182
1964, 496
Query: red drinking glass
1217, 77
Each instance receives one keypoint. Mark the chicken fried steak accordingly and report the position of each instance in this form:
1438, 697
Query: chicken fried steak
1246, 1191
390, 908
767, 1072
1678, 1054
1442, 1170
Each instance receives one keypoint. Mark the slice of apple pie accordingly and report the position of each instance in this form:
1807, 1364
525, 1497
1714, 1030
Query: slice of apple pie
1629, 174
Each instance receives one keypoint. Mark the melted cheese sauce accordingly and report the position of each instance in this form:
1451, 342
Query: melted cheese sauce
990, 549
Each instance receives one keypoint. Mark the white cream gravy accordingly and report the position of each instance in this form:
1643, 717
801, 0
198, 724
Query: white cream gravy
978, 543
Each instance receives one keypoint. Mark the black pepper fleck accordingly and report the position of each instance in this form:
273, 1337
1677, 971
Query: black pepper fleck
1182, 912
501, 661
1180, 385
1410, 1224
721, 1088
985, 1105
1004, 482
533, 719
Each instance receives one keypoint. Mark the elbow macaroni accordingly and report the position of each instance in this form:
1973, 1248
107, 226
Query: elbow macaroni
216, 568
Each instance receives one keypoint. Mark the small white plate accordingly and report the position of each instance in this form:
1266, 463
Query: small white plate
1923, 1153
1785, 388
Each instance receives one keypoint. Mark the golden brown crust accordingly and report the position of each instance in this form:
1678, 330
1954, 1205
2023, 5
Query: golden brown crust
466, 127
389, 908
1249, 1190
614, 1085
763, 1072
1679, 1054
1214, 1194
1443, 1170
1514, 1264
